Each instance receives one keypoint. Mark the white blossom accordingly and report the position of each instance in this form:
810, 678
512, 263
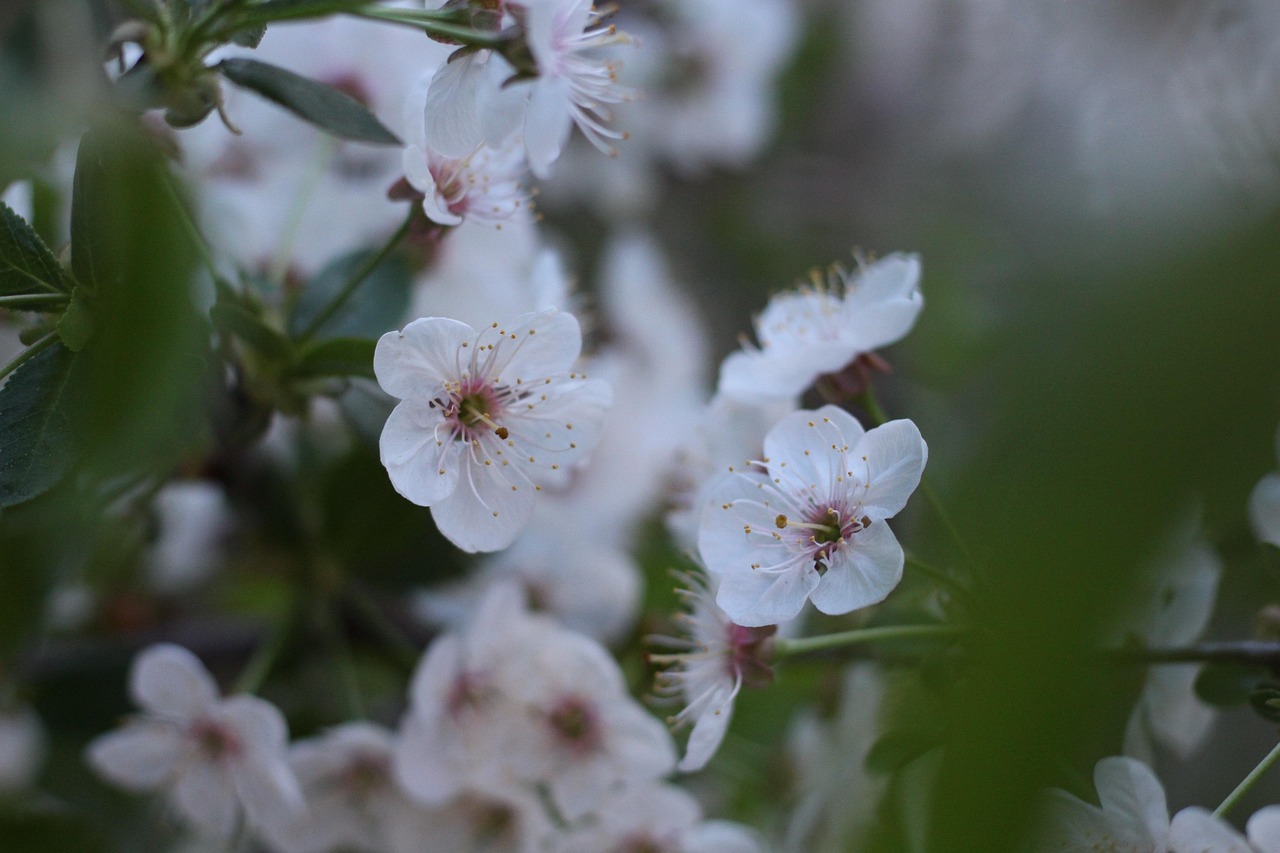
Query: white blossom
22, 749
485, 419
657, 819
194, 520
1132, 815
808, 520
714, 658
216, 759
807, 333
1264, 505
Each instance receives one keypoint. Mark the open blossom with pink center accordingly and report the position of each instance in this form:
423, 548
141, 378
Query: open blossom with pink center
573, 85
712, 661
485, 419
481, 185
808, 520
656, 818
217, 759
805, 334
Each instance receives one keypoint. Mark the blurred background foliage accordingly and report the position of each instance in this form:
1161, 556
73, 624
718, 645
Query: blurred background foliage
1082, 379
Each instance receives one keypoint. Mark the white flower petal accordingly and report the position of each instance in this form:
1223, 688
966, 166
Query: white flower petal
170, 681
139, 757
206, 796
268, 790
536, 346
1129, 791
416, 361
895, 456
1264, 829
862, 572
547, 124
708, 730
1196, 830
1264, 509
452, 123
799, 447
737, 501
754, 598
423, 468
259, 724
883, 303
487, 510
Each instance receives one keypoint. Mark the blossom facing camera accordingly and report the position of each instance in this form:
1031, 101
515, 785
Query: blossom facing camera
808, 520
486, 419
807, 333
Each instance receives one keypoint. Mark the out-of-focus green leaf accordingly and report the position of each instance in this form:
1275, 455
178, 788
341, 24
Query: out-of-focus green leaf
250, 37
76, 325
338, 357
26, 264
377, 306
329, 109
1266, 702
241, 320
37, 447
897, 748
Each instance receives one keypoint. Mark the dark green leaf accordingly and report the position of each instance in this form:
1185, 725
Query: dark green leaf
287, 10
76, 325
338, 357
26, 264
1266, 702
36, 442
1227, 684
896, 749
376, 307
328, 108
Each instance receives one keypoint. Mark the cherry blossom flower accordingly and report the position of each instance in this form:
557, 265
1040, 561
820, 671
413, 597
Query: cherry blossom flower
657, 819
22, 748
485, 419
573, 87
808, 520
216, 758
1133, 815
482, 185
808, 333
473, 823
714, 660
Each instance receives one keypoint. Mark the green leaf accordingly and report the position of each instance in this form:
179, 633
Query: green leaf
1227, 684
337, 357
896, 749
36, 441
379, 305
250, 37
76, 325
1266, 702
233, 316
26, 264
324, 106
287, 10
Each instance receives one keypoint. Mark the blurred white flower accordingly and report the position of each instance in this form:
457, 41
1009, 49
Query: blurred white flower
193, 519
714, 658
657, 819
808, 333
1264, 505
22, 749
1132, 815
217, 759
1176, 596
485, 419
808, 520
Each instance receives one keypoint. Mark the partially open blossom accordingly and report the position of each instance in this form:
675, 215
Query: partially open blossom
485, 419
712, 662
217, 759
808, 520
807, 333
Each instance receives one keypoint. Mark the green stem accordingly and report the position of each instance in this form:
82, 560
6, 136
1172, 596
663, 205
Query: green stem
189, 225
869, 402
1248, 782
433, 24
785, 648
266, 655
1260, 653
21, 300
397, 643
356, 280
346, 664
29, 353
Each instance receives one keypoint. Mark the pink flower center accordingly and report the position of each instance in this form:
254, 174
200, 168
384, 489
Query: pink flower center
215, 740
575, 723
472, 410
748, 654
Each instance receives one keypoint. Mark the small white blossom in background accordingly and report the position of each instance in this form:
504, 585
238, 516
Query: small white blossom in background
657, 819
1133, 815
22, 747
485, 419
837, 800
1176, 598
483, 185
194, 520
712, 661
1264, 506
811, 332
807, 522
517, 704
218, 760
